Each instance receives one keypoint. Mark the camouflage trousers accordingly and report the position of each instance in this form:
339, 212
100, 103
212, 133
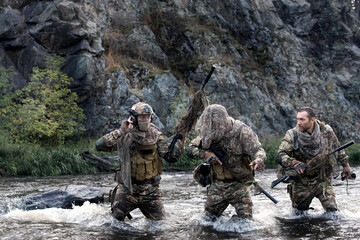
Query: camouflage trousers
301, 195
146, 197
220, 194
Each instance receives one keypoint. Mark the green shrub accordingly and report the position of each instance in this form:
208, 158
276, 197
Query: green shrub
353, 152
45, 111
6, 87
271, 147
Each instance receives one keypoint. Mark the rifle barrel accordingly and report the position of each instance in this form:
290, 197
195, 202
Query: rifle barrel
343, 146
268, 195
279, 180
208, 77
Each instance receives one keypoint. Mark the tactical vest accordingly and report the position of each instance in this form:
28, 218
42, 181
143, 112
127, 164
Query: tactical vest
146, 162
295, 153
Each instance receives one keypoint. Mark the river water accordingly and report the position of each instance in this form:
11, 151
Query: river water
184, 202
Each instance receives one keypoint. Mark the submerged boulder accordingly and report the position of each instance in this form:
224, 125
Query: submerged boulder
72, 195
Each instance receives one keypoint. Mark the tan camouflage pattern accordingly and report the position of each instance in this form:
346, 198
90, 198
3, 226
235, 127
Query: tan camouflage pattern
193, 150
145, 163
213, 124
142, 108
110, 144
146, 197
240, 143
314, 182
131, 194
287, 152
302, 195
222, 194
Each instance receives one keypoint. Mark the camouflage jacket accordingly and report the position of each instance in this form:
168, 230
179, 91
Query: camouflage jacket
287, 152
108, 143
237, 146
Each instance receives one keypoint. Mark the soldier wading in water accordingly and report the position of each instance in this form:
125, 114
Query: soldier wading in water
231, 179
141, 148
309, 139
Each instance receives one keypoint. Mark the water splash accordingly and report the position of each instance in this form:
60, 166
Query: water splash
9, 204
89, 214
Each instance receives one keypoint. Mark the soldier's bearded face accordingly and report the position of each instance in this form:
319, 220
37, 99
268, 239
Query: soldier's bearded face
304, 123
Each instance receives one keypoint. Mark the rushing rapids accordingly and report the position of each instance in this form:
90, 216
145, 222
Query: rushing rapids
183, 201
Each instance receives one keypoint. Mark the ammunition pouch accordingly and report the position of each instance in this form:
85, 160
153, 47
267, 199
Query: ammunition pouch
155, 181
146, 163
221, 173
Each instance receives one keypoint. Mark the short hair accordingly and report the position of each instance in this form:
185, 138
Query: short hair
310, 112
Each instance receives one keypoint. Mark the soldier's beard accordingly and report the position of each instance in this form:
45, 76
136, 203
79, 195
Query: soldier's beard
144, 125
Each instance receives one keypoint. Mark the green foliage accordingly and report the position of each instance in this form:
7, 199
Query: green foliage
353, 152
271, 147
36, 160
6, 85
45, 111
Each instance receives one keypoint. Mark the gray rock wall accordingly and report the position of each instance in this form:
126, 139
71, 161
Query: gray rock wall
271, 57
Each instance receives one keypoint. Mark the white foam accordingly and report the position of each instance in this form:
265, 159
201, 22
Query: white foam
89, 214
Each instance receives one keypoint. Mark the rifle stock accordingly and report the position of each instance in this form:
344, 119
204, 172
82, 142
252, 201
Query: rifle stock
189, 119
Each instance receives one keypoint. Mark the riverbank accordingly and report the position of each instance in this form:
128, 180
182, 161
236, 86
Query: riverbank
22, 159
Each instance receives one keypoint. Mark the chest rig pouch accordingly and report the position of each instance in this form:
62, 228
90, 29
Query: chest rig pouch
221, 173
239, 164
146, 162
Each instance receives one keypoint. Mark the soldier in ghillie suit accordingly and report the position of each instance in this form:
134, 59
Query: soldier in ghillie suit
229, 180
141, 148
304, 155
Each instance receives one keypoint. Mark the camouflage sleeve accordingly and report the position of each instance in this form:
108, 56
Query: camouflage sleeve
261, 154
163, 147
193, 150
334, 142
285, 149
251, 143
107, 143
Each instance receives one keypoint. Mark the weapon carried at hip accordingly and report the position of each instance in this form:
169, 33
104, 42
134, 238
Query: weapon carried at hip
222, 159
316, 162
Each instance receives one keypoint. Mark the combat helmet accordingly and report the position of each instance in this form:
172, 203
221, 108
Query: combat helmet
141, 108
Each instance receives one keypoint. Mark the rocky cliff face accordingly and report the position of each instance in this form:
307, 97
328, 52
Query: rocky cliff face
271, 57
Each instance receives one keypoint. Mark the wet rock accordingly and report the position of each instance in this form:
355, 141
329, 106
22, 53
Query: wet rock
271, 57
64, 198
10, 23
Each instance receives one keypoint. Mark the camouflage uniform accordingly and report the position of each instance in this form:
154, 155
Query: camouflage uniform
315, 183
230, 184
138, 179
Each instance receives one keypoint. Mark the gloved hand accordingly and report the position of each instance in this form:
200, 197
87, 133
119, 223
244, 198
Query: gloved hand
211, 158
258, 164
125, 127
298, 166
346, 173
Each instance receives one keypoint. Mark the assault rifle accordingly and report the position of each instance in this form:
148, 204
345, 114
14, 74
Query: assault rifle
188, 120
315, 161
222, 159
